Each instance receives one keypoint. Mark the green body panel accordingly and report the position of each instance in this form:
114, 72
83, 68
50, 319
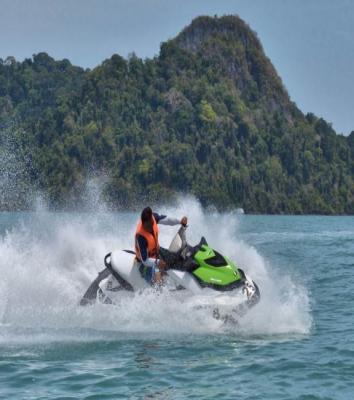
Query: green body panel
214, 275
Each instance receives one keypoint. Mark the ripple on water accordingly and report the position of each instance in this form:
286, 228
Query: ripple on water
298, 344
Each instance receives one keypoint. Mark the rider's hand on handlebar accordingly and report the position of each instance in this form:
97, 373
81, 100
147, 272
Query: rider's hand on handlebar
162, 265
184, 221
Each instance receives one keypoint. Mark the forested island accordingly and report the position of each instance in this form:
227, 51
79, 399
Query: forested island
208, 116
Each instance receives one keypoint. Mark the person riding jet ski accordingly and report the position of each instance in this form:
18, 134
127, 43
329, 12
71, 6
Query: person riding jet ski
147, 246
199, 270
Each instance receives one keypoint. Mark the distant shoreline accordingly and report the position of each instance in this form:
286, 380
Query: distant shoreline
137, 210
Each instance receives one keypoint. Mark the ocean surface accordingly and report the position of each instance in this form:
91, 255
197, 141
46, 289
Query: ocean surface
297, 343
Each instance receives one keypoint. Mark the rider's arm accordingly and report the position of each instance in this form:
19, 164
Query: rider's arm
143, 248
165, 220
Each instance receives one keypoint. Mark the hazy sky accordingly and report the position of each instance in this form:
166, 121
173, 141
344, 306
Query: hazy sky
310, 42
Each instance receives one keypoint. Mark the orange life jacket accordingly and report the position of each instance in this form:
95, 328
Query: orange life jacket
151, 238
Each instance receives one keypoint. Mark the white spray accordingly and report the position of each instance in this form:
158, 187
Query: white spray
47, 261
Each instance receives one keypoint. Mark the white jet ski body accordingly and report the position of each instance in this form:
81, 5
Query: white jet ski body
201, 271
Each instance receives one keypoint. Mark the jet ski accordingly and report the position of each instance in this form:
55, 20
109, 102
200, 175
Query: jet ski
211, 278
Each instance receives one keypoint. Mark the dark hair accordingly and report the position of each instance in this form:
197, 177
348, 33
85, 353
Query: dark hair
146, 214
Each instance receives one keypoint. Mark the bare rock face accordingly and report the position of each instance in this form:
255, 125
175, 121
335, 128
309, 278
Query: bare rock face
228, 44
202, 28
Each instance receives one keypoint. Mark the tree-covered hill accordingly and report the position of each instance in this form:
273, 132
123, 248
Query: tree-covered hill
208, 116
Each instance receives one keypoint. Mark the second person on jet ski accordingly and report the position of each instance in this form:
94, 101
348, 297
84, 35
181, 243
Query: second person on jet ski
147, 244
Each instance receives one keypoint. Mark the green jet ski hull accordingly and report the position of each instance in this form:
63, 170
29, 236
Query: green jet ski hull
214, 269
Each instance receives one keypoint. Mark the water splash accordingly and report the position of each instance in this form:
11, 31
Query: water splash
15, 169
48, 260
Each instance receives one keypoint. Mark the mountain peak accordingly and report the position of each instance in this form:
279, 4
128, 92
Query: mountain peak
229, 47
230, 27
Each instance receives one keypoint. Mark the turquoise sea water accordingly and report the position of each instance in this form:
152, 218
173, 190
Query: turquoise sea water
298, 343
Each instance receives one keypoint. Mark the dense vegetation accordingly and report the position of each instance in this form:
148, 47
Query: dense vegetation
208, 116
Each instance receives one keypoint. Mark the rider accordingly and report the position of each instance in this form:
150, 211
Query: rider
147, 244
